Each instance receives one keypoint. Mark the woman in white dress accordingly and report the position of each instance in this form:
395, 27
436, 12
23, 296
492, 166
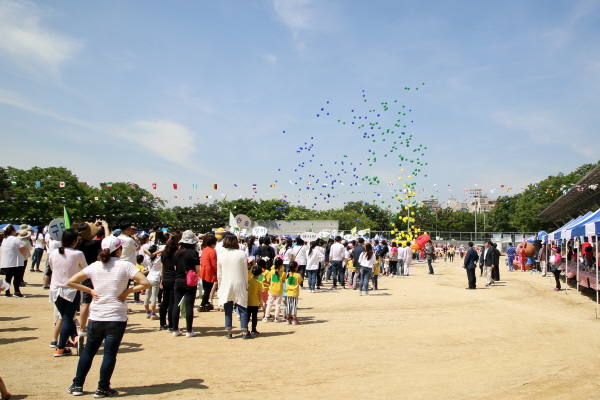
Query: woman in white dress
408, 255
232, 277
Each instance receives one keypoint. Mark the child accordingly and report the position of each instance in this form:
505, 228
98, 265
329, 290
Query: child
293, 282
139, 259
276, 277
376, 272
264, 279
153, 272
254, 295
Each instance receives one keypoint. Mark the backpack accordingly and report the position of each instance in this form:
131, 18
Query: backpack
191, 278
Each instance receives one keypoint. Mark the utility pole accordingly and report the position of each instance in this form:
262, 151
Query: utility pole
475, 193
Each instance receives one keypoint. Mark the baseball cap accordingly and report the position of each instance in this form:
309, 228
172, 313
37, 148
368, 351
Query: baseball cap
112, 243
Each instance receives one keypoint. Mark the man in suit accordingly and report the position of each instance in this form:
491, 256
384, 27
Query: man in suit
487, 260
496, 271
470, 263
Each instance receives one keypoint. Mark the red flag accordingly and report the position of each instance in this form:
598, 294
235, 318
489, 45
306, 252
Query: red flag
174, 186
154, 186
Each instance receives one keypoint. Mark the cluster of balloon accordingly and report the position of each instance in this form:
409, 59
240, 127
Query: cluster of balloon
320, 175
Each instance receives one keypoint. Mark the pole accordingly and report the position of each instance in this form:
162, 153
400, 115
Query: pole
576, 245
596, 277
566, 270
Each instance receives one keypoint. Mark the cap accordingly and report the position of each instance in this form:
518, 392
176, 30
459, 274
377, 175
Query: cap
112, 243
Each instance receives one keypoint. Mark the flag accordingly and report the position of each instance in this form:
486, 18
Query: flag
132, 185
95, 198
154, 186
174, 186
85, 183
215, 186
232, 222
194, 186
190, 197
38, 184
353, 231
61, 184
109, 185
67, 220
130, 200
13, 183
144, 198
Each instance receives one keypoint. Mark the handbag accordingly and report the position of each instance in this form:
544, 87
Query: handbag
191, 278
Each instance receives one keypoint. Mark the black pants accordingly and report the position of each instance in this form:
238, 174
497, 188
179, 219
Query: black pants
302, 271
394, 267
206, 289
253, 311
472, 278
556, 273
430, 266
166, 306
182, 290
15, 273
320, 276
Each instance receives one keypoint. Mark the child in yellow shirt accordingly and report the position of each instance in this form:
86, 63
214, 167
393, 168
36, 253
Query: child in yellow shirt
263, 278
292, 292
276, 277
254, 295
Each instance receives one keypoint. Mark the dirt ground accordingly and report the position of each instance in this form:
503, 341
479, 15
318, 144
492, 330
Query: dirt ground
418, 337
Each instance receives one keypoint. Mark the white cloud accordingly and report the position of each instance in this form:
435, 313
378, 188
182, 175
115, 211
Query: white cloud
270, 58
545, 128
27, 44
166, 139
296, 14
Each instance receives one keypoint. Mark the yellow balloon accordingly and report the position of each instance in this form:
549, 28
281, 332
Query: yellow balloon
402, 170
408, 177
412, 213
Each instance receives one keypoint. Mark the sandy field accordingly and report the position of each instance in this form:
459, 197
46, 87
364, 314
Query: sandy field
418, 337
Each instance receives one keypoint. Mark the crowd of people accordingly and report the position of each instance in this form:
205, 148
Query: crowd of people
90, 272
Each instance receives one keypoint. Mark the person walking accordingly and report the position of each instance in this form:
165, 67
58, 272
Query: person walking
556, 266
487, 260
336, 255
429, 253
470, 264
39, 244
208, 271
167, 283
232, 276
366, 261
510, 253
187, 267
358, 250
314, 257
13, 260
408, 257
65, 262
108, 312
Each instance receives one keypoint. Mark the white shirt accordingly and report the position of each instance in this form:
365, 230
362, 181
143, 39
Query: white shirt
52, 245
314, 259
301, 254
110, 280
11, 255
129, 249
363, 262
336, 253
38, 240
63, 267
408, 253
286, 255
154, 269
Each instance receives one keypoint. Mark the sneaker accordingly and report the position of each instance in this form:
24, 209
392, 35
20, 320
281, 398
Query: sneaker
75, 390
101, 393
191, 334
63, 352
229, 336
276, 320
148, 314
71, 344
20, 295
288, 322
154, 317
23, 284
177, 333
32, 270
556, 289
139, 302
265, 319
360, 293
255, 334
295, 322
366, 294
247, 336
169, 329
162, 328
53, 343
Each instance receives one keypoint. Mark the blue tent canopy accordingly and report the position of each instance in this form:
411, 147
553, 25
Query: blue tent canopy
579, 228
561, 232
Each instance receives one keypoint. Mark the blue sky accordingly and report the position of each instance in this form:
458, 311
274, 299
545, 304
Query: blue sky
199, 92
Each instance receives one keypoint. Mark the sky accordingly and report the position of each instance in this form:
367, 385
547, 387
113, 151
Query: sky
227, 92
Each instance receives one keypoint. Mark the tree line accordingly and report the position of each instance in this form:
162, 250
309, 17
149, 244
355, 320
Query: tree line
35, 196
